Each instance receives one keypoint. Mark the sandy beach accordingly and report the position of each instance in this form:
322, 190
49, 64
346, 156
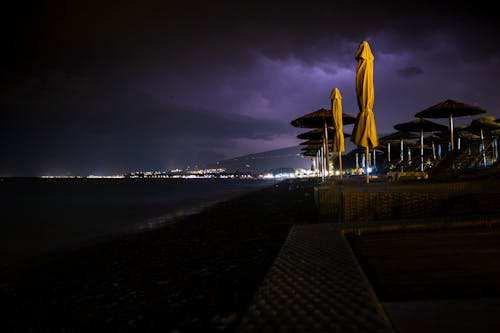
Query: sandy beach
196, 275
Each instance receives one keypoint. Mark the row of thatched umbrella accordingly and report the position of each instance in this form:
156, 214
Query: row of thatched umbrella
364, 133
478, 129
404, 130
446, 109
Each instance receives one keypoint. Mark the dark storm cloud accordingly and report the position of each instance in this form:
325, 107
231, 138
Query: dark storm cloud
410, 71
120, 85
69, 128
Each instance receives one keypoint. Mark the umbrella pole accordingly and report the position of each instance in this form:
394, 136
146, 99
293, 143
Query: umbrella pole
482, 148
319, 163
451, 133
389, 153
366, 164
322, 164
495, 148
401, 154
327, 166
421, 149
340, 164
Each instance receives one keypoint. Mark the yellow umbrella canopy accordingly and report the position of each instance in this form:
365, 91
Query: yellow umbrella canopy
450, 109
318, 119
364, 133
338, 138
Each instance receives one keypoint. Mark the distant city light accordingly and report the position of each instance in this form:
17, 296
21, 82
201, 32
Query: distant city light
221, 173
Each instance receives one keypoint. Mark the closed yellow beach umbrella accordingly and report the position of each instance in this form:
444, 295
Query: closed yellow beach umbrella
338, 138
364, 133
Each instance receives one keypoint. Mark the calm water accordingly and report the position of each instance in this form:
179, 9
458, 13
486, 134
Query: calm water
41, 215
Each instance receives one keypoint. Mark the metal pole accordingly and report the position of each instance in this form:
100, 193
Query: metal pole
340, 164
482, 148
327, 168
322, 164
401, 154
451, 133
317, 163
389, 152
495, 148
374, 162
366, 164
421, 149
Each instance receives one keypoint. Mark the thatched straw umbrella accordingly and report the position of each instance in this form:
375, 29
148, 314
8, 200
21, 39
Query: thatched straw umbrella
420, 125
450, 109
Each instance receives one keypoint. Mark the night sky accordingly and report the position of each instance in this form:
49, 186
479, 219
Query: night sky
108, 87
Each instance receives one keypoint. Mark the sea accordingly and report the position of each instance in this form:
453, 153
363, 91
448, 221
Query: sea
44, 215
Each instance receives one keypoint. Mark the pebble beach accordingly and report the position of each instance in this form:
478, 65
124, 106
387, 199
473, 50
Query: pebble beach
195, 275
